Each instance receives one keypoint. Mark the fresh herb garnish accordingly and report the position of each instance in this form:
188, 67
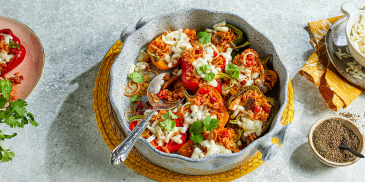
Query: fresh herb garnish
137, 77
203, 68
196, 128
195, 134
204, 37
14, 115
14, 44
210, 123
209, 76
232, 70
168, 123
135, 98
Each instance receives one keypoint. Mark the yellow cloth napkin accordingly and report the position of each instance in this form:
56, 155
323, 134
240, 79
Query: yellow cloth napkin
336, 91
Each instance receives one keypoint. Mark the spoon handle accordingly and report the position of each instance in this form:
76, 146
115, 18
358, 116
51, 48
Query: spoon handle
357, 154
120, 153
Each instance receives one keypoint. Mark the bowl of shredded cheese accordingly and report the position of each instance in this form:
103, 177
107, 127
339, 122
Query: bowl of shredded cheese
355, 31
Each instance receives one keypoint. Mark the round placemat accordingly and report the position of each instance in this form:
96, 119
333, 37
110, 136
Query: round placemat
113, 135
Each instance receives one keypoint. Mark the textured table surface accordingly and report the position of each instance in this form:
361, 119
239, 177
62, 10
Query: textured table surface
67, 144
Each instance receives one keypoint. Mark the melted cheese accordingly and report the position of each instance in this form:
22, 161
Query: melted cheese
222, 29
223, 23
197, 153
177, 139
131, 69
250, 126
5, 57
212, 148
213, 83
197, 113
151, 138
179, 43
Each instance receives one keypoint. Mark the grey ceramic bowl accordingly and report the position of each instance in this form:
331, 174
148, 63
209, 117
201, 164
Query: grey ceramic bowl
139, 35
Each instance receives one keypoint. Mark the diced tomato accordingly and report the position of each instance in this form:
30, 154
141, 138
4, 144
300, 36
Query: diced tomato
266, 109
214, 54
213, 99
139, 105
225, 134
133, 124
151, 107
243, 82
257, 108
196, 51
203, 91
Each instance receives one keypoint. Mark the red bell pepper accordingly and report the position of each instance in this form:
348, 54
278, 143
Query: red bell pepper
193, 85
19, 54
133, 124
171, 146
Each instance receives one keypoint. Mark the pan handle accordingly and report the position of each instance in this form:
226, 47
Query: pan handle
132, 28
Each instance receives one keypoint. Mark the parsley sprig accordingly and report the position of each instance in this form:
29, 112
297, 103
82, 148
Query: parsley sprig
204, 37
232, 70
14, 115
168, 123
197, 128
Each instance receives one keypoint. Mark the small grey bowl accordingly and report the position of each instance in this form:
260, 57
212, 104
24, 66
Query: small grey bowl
139, 35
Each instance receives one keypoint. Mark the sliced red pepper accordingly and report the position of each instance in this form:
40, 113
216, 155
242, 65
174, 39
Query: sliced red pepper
203, 91
213, 99
18, 57
223, 67
133, 124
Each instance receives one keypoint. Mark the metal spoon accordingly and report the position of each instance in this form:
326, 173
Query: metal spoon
120, 153
345, 147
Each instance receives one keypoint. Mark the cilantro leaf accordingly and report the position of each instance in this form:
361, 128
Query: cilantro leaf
18, 107
209, 76
5, 88
14, 44
196, 138
31, 120
12, 121
168, 124
137, 77
232, 70
204, 37
210, 123
203, 68
196, 127
135, 98
2, 102
8, 155
2, 136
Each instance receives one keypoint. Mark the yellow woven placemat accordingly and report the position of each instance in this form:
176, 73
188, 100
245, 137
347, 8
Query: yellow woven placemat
113, 135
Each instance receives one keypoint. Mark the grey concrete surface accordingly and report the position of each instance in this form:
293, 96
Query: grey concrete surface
67, 144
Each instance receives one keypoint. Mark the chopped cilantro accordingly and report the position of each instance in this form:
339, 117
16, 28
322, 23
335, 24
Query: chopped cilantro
14, 44
203, 68
168, 123
209, 76
135, 98
137, 77
196, 138
232, 70
210, 123
14, 115
204, 37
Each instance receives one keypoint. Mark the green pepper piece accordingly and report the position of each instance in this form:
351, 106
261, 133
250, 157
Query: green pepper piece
264, 61
240, 39
223, 75
274, 109
155, 58
271, 101
136, 117
241, 46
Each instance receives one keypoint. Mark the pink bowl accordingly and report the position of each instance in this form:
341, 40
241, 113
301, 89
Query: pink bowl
32, 66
